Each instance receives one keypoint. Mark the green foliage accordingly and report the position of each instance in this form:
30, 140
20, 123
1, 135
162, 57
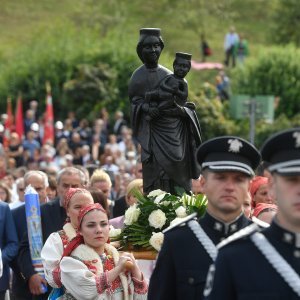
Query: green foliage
284, 28
79, 69
58, 38
51, 57
275, 71
212, 117
92, 86
264, 130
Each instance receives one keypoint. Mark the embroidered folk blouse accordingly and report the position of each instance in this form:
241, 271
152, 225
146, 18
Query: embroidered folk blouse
52, 252
84, 275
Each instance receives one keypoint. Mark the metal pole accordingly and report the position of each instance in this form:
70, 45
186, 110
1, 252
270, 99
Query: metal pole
252, 120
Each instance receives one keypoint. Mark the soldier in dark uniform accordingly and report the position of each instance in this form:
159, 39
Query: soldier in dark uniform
266, 265
189, 249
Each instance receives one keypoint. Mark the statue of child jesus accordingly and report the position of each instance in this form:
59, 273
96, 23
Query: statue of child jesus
173, 89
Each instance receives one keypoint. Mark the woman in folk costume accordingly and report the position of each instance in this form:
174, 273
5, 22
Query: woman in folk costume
74, 200
91, 268
259, 191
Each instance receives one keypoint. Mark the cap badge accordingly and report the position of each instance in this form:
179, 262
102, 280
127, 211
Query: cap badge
235, 145
296, 135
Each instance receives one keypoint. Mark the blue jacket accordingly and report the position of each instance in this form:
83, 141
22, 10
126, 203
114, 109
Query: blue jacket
20, 287
8, 242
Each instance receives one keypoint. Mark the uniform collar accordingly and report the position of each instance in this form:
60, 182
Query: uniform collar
284, 235
222, 227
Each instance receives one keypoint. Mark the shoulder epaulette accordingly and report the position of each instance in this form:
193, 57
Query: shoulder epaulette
240, 234
182, 222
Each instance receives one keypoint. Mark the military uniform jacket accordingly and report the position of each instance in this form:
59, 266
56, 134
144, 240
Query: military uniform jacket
243, 272
183, 263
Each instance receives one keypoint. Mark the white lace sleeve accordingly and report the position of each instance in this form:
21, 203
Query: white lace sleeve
51, 255
79, 281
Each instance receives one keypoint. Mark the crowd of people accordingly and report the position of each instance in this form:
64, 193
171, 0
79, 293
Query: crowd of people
104, 143
83, 200
102, 157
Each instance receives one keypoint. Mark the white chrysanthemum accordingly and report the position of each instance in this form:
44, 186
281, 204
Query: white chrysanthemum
175, 221
157, 219
156, 240
132, 214
156, 193
114, 232
159, 198
181, 212
166, 203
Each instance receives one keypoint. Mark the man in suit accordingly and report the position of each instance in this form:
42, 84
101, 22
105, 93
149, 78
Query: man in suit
266, 264
53, 217
8, 245
227, 164
39, 181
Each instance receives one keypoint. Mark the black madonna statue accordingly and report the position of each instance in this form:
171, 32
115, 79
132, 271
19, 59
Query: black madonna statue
164, 123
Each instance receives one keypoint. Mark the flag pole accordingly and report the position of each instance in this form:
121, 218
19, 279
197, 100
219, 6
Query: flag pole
48, 117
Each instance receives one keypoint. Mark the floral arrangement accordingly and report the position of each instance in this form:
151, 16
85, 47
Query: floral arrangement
146, 220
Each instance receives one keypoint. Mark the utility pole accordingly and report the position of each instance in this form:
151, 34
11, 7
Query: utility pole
252, 113
252, 109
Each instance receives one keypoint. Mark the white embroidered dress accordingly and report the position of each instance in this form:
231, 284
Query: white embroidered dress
52, 252
84, 277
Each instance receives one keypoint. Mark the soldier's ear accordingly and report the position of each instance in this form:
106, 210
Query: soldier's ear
202, 182
271, 187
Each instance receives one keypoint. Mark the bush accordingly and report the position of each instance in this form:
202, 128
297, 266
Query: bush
50, 57
265, 130
212, 117
275, 71
69, 57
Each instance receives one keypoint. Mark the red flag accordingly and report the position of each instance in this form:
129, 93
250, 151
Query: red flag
19, 118
48, 118
9, 123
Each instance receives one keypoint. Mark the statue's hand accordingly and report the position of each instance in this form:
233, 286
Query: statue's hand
153, 112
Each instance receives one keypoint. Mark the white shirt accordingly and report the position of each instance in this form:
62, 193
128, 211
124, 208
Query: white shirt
230, 40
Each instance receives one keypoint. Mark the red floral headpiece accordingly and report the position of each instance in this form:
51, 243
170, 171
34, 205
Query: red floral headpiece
255, 184
70, 193
87, 209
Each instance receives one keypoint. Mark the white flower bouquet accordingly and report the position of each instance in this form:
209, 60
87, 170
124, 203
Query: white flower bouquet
145, 221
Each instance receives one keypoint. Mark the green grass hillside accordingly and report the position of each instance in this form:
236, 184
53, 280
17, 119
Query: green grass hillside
51, 40
24, 22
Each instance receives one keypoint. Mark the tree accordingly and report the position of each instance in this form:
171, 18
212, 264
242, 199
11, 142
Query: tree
286, 19
212, 117
91, 88
275, 71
